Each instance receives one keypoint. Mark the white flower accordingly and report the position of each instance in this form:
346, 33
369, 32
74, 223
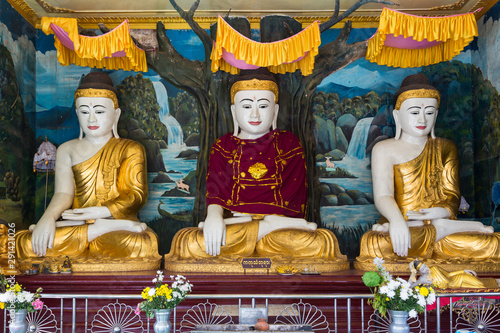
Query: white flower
174, 285
431, 298
412, 313
404, 294
152, 292
27, 296
394, 284
378, 262
21, 297
421, 301
391, 294
159, 272
384, 289
155, 280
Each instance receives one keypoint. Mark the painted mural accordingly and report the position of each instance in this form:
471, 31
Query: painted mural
17, 101
352, 111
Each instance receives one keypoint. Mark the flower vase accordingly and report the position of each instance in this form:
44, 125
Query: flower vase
162, 324
18, 323
399, 322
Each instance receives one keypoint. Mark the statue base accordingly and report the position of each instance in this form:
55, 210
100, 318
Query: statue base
402, 266
82, 265
230, 265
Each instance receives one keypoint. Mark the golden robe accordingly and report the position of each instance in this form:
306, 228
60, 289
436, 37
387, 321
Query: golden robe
114, 177
430, 180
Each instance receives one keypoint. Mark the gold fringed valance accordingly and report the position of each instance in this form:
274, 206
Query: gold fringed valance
404, 40
113, 50
233, 51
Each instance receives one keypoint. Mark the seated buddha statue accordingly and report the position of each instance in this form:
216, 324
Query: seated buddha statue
256, 193
100, 185
416, 189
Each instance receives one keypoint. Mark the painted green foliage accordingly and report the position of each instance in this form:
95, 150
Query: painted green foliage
17, 141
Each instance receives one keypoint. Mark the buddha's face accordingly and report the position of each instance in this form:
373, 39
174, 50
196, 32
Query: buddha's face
417, 116
96, 115
254, 111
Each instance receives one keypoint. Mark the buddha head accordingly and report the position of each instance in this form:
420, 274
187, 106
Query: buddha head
416, 106
254, 97
97, 106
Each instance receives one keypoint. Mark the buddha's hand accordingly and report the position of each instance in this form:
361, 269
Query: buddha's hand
400, 237
43, 236
214, 233
432, 213
87, 213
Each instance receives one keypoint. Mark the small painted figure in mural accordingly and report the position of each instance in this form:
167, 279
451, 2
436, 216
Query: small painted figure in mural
100, 185
259, 176
416, 189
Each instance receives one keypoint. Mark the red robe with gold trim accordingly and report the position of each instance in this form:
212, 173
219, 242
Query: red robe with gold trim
262, 176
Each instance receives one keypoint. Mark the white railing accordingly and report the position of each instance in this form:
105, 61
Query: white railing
339, 310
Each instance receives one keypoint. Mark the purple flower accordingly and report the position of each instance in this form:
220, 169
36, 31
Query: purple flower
38, 305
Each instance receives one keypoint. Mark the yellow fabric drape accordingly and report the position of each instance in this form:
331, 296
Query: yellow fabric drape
97, 51
279, 57
455, 32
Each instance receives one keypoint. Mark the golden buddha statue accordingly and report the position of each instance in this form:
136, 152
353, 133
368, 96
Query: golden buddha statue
416, 189
256, 194
100, 186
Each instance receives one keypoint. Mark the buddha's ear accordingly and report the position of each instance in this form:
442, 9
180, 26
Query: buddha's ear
275, 119
235, 122
114, 129
433, 135
395, 114
81, 129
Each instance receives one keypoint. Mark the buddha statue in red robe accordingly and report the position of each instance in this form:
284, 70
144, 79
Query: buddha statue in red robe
256, 193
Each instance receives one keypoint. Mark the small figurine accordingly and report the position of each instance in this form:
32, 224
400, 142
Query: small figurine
66, 267
54, 268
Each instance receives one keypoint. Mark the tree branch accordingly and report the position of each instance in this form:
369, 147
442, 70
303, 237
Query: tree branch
335, 18
189, 18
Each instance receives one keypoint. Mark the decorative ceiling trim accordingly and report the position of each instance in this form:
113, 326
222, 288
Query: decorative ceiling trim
143, 21
51, 9
456, 6
26, 11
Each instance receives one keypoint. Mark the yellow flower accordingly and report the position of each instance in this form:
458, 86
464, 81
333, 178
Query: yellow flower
145, 293
17, 288
2, 305
424, 291
387, 299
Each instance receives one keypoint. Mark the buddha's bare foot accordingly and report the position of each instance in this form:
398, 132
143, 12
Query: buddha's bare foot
140, 228
381, 227
103, 226
488, 229
32, 227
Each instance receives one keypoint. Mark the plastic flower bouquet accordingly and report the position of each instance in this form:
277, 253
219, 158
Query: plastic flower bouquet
395, 293
14, 297
162, 296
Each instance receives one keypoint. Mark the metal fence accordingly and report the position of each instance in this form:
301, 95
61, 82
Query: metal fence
64, 313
